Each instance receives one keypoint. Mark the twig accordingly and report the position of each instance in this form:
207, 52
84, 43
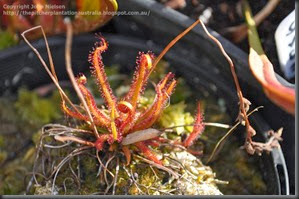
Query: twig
214, 124
101, 163
132, 179
175, 175
105, 175
242, 100
64, 185
68, 47
74, 139
227, 134
116, 176
76, 176
172, 43
52, 76
57, 147
238, 33
65, 160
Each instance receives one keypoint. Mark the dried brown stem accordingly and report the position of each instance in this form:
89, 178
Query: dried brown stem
273, 142
266, 11
101, 163
52, 76
116, 176
68, 45
172, 43
236, 81
74, 139
74, 153
213, 124
227, 134
175, 175
238, 33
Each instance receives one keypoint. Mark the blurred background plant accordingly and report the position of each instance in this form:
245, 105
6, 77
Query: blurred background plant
262, 68
20, 15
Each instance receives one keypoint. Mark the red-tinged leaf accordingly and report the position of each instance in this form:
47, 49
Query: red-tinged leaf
102, 119
262, 68
127, 154
101, 11
197, 129
73, 114
164, 89
127, 114
99, 143
144, 64
263, 71
147, 152
77, 115
98, 70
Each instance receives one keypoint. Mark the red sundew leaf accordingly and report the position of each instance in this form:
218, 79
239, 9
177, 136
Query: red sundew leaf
144, 64
197, 129
77, 115
164, 89
147, 152
102, 119
129, 104
99, 143
73, 114
127, 154
128, 117
263, 71
99, 72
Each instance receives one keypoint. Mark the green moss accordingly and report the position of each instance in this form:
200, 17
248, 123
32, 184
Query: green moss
147, 98
181, 93
37, 110
6, 39
1, 141
175, 115
20, 118
36, 137
258, 184
3, 156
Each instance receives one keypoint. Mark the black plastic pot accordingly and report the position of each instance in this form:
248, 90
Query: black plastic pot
203, 57
123, 50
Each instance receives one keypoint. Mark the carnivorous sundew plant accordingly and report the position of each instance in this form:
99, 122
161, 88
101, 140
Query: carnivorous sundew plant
122, 125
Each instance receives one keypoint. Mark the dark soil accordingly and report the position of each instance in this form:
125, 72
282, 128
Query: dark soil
225, 14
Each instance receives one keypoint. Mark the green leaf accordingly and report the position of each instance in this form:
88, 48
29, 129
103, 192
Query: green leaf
253, 37
262, 68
